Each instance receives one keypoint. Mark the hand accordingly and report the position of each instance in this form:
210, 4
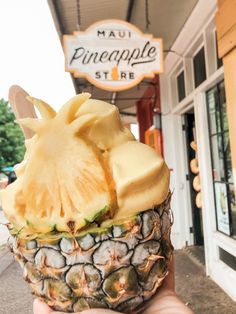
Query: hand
165, 302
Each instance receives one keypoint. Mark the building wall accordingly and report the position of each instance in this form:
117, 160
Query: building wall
199, 30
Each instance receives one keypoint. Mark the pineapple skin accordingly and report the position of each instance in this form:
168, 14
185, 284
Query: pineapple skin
117, 267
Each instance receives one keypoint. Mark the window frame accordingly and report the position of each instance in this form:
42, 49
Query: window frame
182, 70
202, 45
226, 181
216, 50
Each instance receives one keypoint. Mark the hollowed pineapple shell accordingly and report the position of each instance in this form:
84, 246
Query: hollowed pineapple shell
117, 267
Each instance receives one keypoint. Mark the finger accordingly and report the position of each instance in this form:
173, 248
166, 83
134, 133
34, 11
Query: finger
40, 307
168, 303
99, 311
169, 281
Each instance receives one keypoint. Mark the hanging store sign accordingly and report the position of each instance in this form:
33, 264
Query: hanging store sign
113, 55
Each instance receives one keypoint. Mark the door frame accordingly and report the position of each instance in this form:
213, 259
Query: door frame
186, 169
197, 221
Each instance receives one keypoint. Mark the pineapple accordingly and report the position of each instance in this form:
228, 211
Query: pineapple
89, 213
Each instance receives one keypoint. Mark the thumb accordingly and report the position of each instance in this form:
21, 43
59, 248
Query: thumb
99, 311
41, 308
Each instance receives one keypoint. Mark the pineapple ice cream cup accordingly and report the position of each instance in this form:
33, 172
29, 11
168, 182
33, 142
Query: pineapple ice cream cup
89, 212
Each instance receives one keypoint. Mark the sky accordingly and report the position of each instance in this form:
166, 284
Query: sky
31, 54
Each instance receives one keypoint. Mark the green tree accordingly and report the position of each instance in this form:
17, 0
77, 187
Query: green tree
11, 137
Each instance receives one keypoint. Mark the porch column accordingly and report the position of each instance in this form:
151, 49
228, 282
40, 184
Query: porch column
226, 37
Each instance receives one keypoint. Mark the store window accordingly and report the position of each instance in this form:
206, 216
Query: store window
181, 86
221, 161
199, 67
227, 258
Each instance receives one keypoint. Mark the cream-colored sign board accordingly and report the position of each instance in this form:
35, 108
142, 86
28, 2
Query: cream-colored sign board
113, 55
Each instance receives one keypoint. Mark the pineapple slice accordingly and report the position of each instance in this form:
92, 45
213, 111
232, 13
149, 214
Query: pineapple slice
142, 178
64, 181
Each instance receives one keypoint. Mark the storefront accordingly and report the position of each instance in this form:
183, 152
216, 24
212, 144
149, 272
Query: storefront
197, 146
190, 99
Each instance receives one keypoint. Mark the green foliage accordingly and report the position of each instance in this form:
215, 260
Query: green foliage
11, 137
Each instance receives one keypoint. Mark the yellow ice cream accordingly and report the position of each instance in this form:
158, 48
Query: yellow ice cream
82, 163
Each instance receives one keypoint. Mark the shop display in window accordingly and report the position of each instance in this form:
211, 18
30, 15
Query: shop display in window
221, 161
222, 207
195, 169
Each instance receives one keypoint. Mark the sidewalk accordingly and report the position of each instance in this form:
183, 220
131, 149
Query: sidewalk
194, 288
4, 234
15, 294
198, 291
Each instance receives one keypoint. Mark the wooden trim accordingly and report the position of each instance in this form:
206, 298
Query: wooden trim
227, 43
225, 17
221, 2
